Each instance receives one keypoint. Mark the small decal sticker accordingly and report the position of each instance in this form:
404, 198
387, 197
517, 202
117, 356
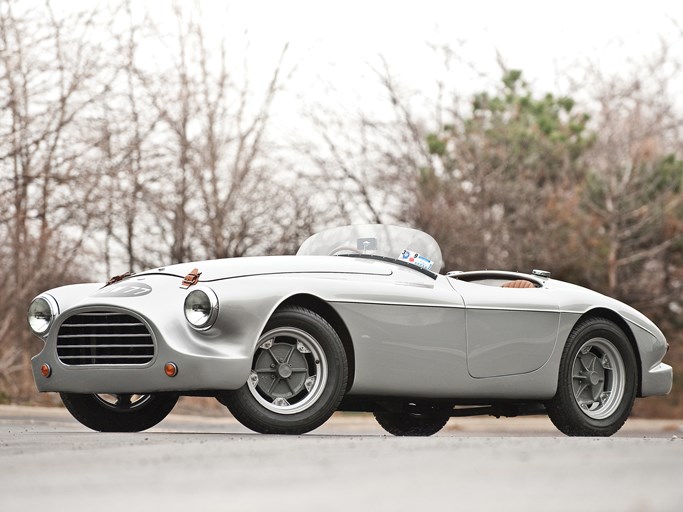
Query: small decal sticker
416, 259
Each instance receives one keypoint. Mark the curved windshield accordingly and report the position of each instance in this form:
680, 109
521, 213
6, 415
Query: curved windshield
403, 244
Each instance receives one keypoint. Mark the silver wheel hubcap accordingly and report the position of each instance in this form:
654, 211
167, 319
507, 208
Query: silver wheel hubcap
598, 378
289, 371
123, 402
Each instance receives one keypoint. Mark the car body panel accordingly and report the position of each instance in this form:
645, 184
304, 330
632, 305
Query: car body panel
412, 333
509, 330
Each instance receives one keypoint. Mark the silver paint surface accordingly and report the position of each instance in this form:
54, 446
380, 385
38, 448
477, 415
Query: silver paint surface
412, 335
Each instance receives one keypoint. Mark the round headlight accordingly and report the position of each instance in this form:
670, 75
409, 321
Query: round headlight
41, 313
201, 308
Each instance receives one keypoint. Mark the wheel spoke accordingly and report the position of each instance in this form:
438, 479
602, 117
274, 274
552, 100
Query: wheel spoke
592, 363
585, 367
270, 351
289, 385
273, 384
299, 370
289, 356
597, 390
581, 389
123, 401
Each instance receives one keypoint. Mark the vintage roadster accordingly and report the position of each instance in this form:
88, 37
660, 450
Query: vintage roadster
359, 320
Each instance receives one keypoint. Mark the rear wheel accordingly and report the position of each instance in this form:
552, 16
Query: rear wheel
407, 424
597, 380
298, 375
119, 412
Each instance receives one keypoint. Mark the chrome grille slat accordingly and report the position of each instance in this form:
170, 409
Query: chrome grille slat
98, 335
103, 357
104, 338
107, 346
105, 325
100, 313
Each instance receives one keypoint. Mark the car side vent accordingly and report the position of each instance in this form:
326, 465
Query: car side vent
104, 338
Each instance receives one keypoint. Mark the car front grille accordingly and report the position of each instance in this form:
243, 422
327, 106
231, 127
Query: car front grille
104, 338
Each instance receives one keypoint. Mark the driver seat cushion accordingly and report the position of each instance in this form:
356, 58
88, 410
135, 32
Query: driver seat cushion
519, 283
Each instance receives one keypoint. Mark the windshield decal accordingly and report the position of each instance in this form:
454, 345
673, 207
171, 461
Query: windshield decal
416, 259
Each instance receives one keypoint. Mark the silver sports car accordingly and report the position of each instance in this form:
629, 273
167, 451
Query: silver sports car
359, 320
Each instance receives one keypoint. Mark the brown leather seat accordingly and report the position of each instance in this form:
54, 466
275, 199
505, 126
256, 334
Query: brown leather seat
519, 283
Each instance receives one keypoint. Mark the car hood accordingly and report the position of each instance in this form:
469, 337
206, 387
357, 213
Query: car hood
213, 270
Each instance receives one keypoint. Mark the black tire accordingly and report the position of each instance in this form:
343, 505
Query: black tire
598, 370
277, 400
406, 424
119, 413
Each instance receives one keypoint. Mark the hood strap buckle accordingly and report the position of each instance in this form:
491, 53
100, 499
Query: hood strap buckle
191, 278
116, 279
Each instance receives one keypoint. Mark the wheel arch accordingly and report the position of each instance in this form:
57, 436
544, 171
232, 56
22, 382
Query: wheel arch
322, 308
615, 317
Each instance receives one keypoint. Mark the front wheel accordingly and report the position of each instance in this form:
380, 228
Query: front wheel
298, 375
597, 380
407, 424
119, 412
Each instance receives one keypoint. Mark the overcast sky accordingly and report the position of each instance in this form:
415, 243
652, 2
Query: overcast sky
339, 42
535, 36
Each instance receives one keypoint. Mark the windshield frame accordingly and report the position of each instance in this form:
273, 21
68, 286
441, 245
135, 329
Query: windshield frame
396, 244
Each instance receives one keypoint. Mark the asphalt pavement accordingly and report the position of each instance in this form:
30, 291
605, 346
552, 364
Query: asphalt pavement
191, 462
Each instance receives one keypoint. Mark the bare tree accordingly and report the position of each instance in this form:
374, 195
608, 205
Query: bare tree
367, 162
221, 197
49, 82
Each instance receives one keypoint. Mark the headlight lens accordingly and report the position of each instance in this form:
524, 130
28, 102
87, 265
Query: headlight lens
201, 308
41, 313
